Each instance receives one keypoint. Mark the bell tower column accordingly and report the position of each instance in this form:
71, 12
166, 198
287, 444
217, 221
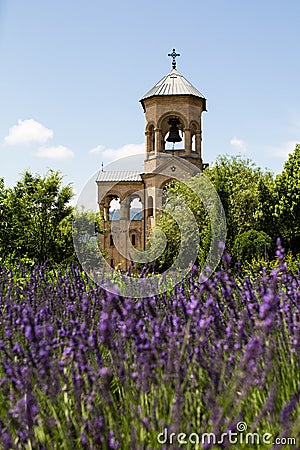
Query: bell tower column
157, 144
148, 141
198, 143
187, 141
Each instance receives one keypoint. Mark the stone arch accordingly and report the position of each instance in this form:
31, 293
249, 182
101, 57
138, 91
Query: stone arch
165, 182
113, 202
194, 126
133, 239
195, 136
163, 188
111, 240
113, 193
105, 204
131, 192
193, 131
150, 137
164, 126
168, 114
135, 205
150, 205
150, 124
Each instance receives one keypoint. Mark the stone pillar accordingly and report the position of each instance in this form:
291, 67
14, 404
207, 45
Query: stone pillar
124, 209
148, 135
101, 210
198, 142
187, 141
123, 230
106, 211
157, 148
142, 235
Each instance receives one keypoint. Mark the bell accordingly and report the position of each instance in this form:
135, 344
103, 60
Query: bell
174, 132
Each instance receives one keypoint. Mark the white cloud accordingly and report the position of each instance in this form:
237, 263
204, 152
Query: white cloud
112, 154
28, 132
54, 152
284, 150
238, 143
98, 149
126, 150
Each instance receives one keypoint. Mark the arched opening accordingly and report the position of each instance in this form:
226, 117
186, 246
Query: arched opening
193, 137
175, 137
150, 206
112, 263
174, 145
114, 208
135, 208
111, 240
172, 132
151, 139
193, 143
133, 240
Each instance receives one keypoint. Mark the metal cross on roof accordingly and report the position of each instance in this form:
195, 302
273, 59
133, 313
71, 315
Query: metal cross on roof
174, 55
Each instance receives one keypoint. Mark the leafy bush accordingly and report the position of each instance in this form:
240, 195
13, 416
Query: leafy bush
252, 244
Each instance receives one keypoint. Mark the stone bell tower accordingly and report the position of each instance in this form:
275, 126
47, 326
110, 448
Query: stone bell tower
173, 109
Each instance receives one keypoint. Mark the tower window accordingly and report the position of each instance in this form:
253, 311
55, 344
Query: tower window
135, 208
194, 143
114, 208
111, 240
133, 240
112, 263
150, 206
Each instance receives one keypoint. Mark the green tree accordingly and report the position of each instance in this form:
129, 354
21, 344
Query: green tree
287, 209
175, 227
36, 219
248, 198
246, 193
87, 225
186, 221
265, 219
4, 219
251, 244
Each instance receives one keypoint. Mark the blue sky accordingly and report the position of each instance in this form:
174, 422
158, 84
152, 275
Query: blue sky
72, 73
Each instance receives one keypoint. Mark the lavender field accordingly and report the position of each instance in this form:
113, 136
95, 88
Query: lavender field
85, 369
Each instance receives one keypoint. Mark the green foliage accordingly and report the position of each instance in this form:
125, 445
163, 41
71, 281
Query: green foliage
258, 266
36, 219
244, 189
36, 215
251, 244
265, 219
253, 201
287, 210
185, 224
166, 232
86, 226
247, 195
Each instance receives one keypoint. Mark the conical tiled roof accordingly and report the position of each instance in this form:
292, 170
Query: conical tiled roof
173, 84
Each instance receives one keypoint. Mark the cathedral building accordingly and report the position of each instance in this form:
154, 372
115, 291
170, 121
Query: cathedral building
173, 110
